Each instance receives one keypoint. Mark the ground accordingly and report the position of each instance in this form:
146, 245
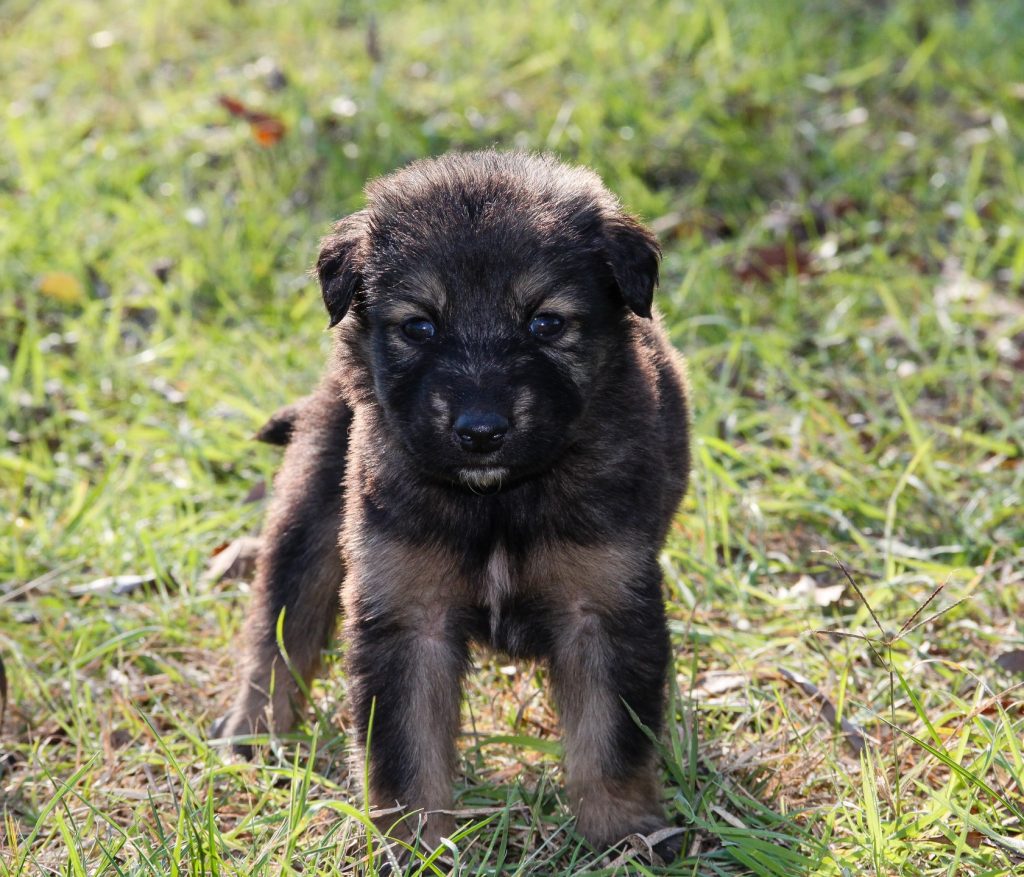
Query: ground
839, 190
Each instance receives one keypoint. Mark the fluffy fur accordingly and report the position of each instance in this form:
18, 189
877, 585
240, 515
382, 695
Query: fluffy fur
544, 545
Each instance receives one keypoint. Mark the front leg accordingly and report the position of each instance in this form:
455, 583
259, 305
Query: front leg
407, 655
611, 649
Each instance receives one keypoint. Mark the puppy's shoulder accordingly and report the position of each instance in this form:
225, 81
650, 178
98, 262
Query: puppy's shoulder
662, 366
666, 373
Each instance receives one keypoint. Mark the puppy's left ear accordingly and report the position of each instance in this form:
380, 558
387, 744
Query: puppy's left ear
340, 265
632, 251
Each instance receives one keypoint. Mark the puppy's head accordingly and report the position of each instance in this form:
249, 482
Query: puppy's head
480, 296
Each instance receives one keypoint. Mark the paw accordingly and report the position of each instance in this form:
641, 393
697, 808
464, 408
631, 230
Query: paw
655, 835
645, 835
668, 848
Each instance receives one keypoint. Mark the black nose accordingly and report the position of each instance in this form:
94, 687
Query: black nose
480, 433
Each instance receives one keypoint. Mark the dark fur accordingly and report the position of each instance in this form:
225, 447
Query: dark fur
549, 548
278, 430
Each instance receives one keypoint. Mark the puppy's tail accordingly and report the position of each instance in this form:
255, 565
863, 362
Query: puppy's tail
278, 430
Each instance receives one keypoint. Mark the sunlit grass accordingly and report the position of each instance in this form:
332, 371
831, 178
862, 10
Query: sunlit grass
871, 406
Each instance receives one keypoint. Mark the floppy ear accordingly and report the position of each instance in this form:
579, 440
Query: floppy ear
339, 266
632, 252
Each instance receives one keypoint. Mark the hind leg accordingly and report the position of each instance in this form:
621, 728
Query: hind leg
299, 572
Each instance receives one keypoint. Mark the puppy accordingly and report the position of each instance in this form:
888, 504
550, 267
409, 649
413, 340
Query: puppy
494, 455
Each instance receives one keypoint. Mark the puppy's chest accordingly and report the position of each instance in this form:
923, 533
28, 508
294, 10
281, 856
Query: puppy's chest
517, 620
500, 580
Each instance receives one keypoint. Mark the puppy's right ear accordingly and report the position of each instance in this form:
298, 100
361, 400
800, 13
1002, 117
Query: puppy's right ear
340, 265
632, 252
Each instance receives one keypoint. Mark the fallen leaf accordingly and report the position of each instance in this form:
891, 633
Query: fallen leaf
726, 816
1012, 661
235, 107
237, 560
854, 736
643, 845
119, 586
62, 287
973, 839
806, 587
827, 596
266, 129
717, 682
768, 262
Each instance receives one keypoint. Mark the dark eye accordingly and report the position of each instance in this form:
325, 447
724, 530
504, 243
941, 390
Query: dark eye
547, 326
418, 330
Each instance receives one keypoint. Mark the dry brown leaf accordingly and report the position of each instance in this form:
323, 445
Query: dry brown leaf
854, 736
236, 560
643, 845
266, 129
726, 816
716, 682
973, 839
766, 263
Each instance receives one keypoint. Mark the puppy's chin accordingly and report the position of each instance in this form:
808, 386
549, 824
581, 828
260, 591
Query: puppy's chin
484, 479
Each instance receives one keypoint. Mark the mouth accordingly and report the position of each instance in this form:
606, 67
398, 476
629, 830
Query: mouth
483, 478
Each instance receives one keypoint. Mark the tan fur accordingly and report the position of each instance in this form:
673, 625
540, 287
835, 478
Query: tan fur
603, 807
531, 287
589, 582
407, 577
582, 577
559, 300
422, 585
421, 294
521, 410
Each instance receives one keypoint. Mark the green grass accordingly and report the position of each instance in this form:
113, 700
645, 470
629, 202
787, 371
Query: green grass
870, 405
